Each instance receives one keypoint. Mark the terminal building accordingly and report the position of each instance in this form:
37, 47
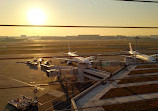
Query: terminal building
133, 87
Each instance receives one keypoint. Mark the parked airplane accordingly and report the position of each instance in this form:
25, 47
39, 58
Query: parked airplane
76, 58
145, 57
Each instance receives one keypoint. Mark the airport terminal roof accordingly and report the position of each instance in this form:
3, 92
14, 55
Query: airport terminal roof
130, 87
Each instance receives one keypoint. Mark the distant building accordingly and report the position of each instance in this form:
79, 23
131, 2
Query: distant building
154, 36
84, 37
88, 36
107, 37
52, 37
71, 37
23, 36
120, 36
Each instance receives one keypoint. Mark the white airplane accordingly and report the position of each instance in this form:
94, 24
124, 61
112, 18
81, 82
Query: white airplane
76, 58
144, 57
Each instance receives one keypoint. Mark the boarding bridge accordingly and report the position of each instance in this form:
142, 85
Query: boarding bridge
95, 74
63, 70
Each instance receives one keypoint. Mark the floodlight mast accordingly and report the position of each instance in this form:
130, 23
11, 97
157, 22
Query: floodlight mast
136, 38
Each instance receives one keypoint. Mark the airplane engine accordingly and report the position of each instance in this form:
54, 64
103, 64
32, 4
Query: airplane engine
69, 62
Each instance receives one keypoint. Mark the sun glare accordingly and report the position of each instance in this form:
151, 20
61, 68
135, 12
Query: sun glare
36, 16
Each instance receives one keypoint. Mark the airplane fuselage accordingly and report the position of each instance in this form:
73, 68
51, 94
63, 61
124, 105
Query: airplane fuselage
142, 56
79, 59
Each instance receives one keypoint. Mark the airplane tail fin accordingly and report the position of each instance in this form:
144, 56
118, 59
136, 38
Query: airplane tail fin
130, 46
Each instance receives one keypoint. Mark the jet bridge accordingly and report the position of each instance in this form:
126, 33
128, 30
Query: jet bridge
95, 74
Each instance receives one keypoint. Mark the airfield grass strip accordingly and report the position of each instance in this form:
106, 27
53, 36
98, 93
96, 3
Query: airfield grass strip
128, 91
145, 105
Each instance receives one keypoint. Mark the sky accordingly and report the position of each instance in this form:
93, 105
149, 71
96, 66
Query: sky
78, 12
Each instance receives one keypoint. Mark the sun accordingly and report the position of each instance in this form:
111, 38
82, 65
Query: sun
36, 16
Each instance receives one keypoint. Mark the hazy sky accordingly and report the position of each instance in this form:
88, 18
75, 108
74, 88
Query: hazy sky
79, 12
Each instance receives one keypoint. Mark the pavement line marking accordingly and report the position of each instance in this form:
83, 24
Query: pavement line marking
22, 82
17, 80
39, 103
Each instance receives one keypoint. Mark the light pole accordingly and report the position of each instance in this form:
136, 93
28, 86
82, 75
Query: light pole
136, 38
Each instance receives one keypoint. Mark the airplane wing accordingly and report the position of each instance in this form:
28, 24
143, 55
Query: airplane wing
154, 55
61, 53
66, 59
131, 56
90, 58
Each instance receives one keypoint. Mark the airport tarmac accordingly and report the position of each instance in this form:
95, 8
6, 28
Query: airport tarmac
19, 74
